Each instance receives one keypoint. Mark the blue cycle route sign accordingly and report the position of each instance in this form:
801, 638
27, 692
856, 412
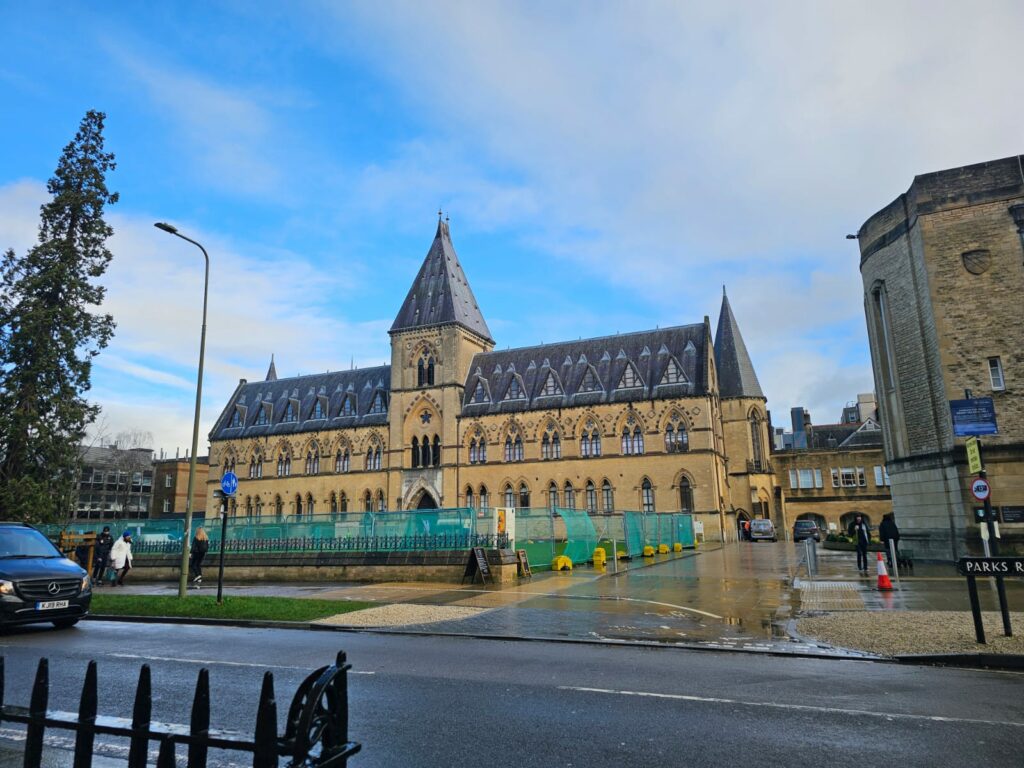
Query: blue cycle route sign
229, 483
976, 416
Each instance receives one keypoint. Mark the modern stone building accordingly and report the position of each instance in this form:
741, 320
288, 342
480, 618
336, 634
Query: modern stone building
943, 274
663, 420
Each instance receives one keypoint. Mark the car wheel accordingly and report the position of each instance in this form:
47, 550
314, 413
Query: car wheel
65, 623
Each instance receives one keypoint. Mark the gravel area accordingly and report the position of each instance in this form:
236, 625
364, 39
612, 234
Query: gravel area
400, 614
889, 633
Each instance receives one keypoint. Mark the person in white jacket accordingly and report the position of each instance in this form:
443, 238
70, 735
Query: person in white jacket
121, 557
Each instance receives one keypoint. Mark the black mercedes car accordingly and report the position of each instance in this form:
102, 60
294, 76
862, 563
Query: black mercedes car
37, 583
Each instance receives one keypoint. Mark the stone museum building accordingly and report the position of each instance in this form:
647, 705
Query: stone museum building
943, 275
665, 420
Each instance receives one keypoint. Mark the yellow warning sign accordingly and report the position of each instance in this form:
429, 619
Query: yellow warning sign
973, 455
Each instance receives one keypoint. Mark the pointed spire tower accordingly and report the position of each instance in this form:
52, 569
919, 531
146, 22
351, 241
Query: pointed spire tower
271, 371
736, 377
440, 294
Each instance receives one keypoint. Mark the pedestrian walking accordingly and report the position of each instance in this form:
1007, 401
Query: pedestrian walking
121, 557
746, 530
861, 533
888, 531
101, 556
200, 546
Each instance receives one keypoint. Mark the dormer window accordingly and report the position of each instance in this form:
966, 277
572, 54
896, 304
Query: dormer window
318, 410
515, 390
236, 418
630, 378
551, 386
290, 412
348, 406
673, 374
378, 405
262, 417
480, 394
590, 382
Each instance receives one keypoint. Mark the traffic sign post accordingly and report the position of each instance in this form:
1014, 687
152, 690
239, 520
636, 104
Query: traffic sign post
982, 491
228, 488
973, 446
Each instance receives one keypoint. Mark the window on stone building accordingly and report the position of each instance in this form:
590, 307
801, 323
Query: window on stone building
647, 496
168, 482
343, 502
835, 478
517, 448
248, 506
551, 386
638, 441
515, 391
298, 505
570, 496
469, 496
552, 496
416, 452
435, 453
591, 497
848, 477
425, 452
756, 445
524, 496
378, 405
382, 505
806, 478
510, 496
290, 412
367, 502
425, 372
590, 382
545, 447
685, 496
236, 419
334, 503
609, 498
673, 374
278, 507
626, 443
341, 461
348, 406
479, 394
585, 445
881, 477
258, 511
793, 483
595, 443
485, 497
472, 451
995, 373
861, 479
313, 461
310, 505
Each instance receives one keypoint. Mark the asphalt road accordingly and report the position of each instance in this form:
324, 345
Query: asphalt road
424, 701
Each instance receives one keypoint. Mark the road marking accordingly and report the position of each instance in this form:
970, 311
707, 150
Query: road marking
185, 660
798, 707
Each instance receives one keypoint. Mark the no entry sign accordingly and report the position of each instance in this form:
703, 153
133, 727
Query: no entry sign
980, 488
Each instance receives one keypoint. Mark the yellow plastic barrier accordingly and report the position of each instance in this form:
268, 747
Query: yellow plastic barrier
648, 551
600, 556
677, 547
561, 562
621, 554
663, 549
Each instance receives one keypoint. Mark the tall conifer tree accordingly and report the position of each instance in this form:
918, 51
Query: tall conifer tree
50, 330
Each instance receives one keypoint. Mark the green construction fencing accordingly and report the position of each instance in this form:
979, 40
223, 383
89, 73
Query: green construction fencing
545, 533
630, 531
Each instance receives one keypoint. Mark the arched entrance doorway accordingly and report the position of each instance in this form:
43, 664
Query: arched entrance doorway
426, 501
741, 518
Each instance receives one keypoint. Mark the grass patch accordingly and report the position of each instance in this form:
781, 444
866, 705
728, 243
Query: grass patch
234, 607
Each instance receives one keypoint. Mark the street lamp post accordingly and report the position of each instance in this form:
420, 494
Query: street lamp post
186, 543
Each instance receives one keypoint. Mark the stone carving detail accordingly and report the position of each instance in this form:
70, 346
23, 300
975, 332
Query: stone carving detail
977, 262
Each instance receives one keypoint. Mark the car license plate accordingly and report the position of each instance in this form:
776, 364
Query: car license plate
51, 604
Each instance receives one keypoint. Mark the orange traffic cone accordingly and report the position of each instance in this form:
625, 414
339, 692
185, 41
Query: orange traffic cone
884, 585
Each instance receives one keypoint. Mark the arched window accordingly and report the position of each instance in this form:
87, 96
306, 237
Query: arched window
638, 441
278, 507
310, 505
510, 496
318, 409
415, 452
647, 496
524, 496
556, 446
343, 503
481, 451
436, 452
252, 467
626, 444
367, 502
376, 458
570, 496
298, 505
609, 499
757, 450
236, 419
334, 503
552, 496
670, 438
348, 406
595, 443
545, 447
381, 503
430, 371
517, 448
313, 462
591, 497
290, 413
508, 448
341, 461
485, 497
259, 508
280, 465
234, 507
469, 496
248, 506
585, 445
472, 451
421, 373
425, 452
685, 496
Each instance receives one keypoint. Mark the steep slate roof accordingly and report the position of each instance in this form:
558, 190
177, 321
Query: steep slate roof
303, 392
736, 377
440, 294
651, 353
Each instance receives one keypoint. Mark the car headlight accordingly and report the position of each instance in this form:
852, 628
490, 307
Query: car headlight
6, 587
86, 583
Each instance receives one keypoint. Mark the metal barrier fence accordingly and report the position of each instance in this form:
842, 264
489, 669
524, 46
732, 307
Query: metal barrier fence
316, 733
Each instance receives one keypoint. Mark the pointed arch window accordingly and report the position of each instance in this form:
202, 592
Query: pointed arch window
341, 461
515, 390
298, 505
425, 452
290, 413
348, 406
472, 451
379, 404
595, 443
524, 496
677, 439
510, 496
469, 497
585, 445
415, 452
480, 394
756, 446
334, 503
310, 505
278, 507
313, 461
638, 441
343, 502
551, 386
590, 382
259, 508
570, 496
552, 496
236, 419
485, 497
367, 502
382, 505
685, 496
248, 506
261, 416
556, 446
630, 378
591, 497
551, 444
318, 409
545, 447
627, 444
421, 373
647, 496
673, 373
435, 453
608, 494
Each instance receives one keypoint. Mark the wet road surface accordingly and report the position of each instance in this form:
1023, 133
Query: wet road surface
433, 701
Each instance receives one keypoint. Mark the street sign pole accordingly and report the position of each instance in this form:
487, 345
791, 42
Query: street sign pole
228, 486
992, 545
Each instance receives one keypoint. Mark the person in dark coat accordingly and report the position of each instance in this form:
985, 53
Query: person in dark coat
861, 533
100, 558
200, 546
888, 531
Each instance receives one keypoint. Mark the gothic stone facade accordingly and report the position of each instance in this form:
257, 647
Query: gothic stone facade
663, 420
943, 274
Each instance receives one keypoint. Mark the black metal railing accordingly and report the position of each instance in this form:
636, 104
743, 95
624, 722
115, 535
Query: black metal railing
400, 543
316, 732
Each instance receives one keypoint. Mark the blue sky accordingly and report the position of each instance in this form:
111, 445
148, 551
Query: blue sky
606, 167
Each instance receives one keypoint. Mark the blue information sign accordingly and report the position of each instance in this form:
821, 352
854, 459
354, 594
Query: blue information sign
229, 483
976, 416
